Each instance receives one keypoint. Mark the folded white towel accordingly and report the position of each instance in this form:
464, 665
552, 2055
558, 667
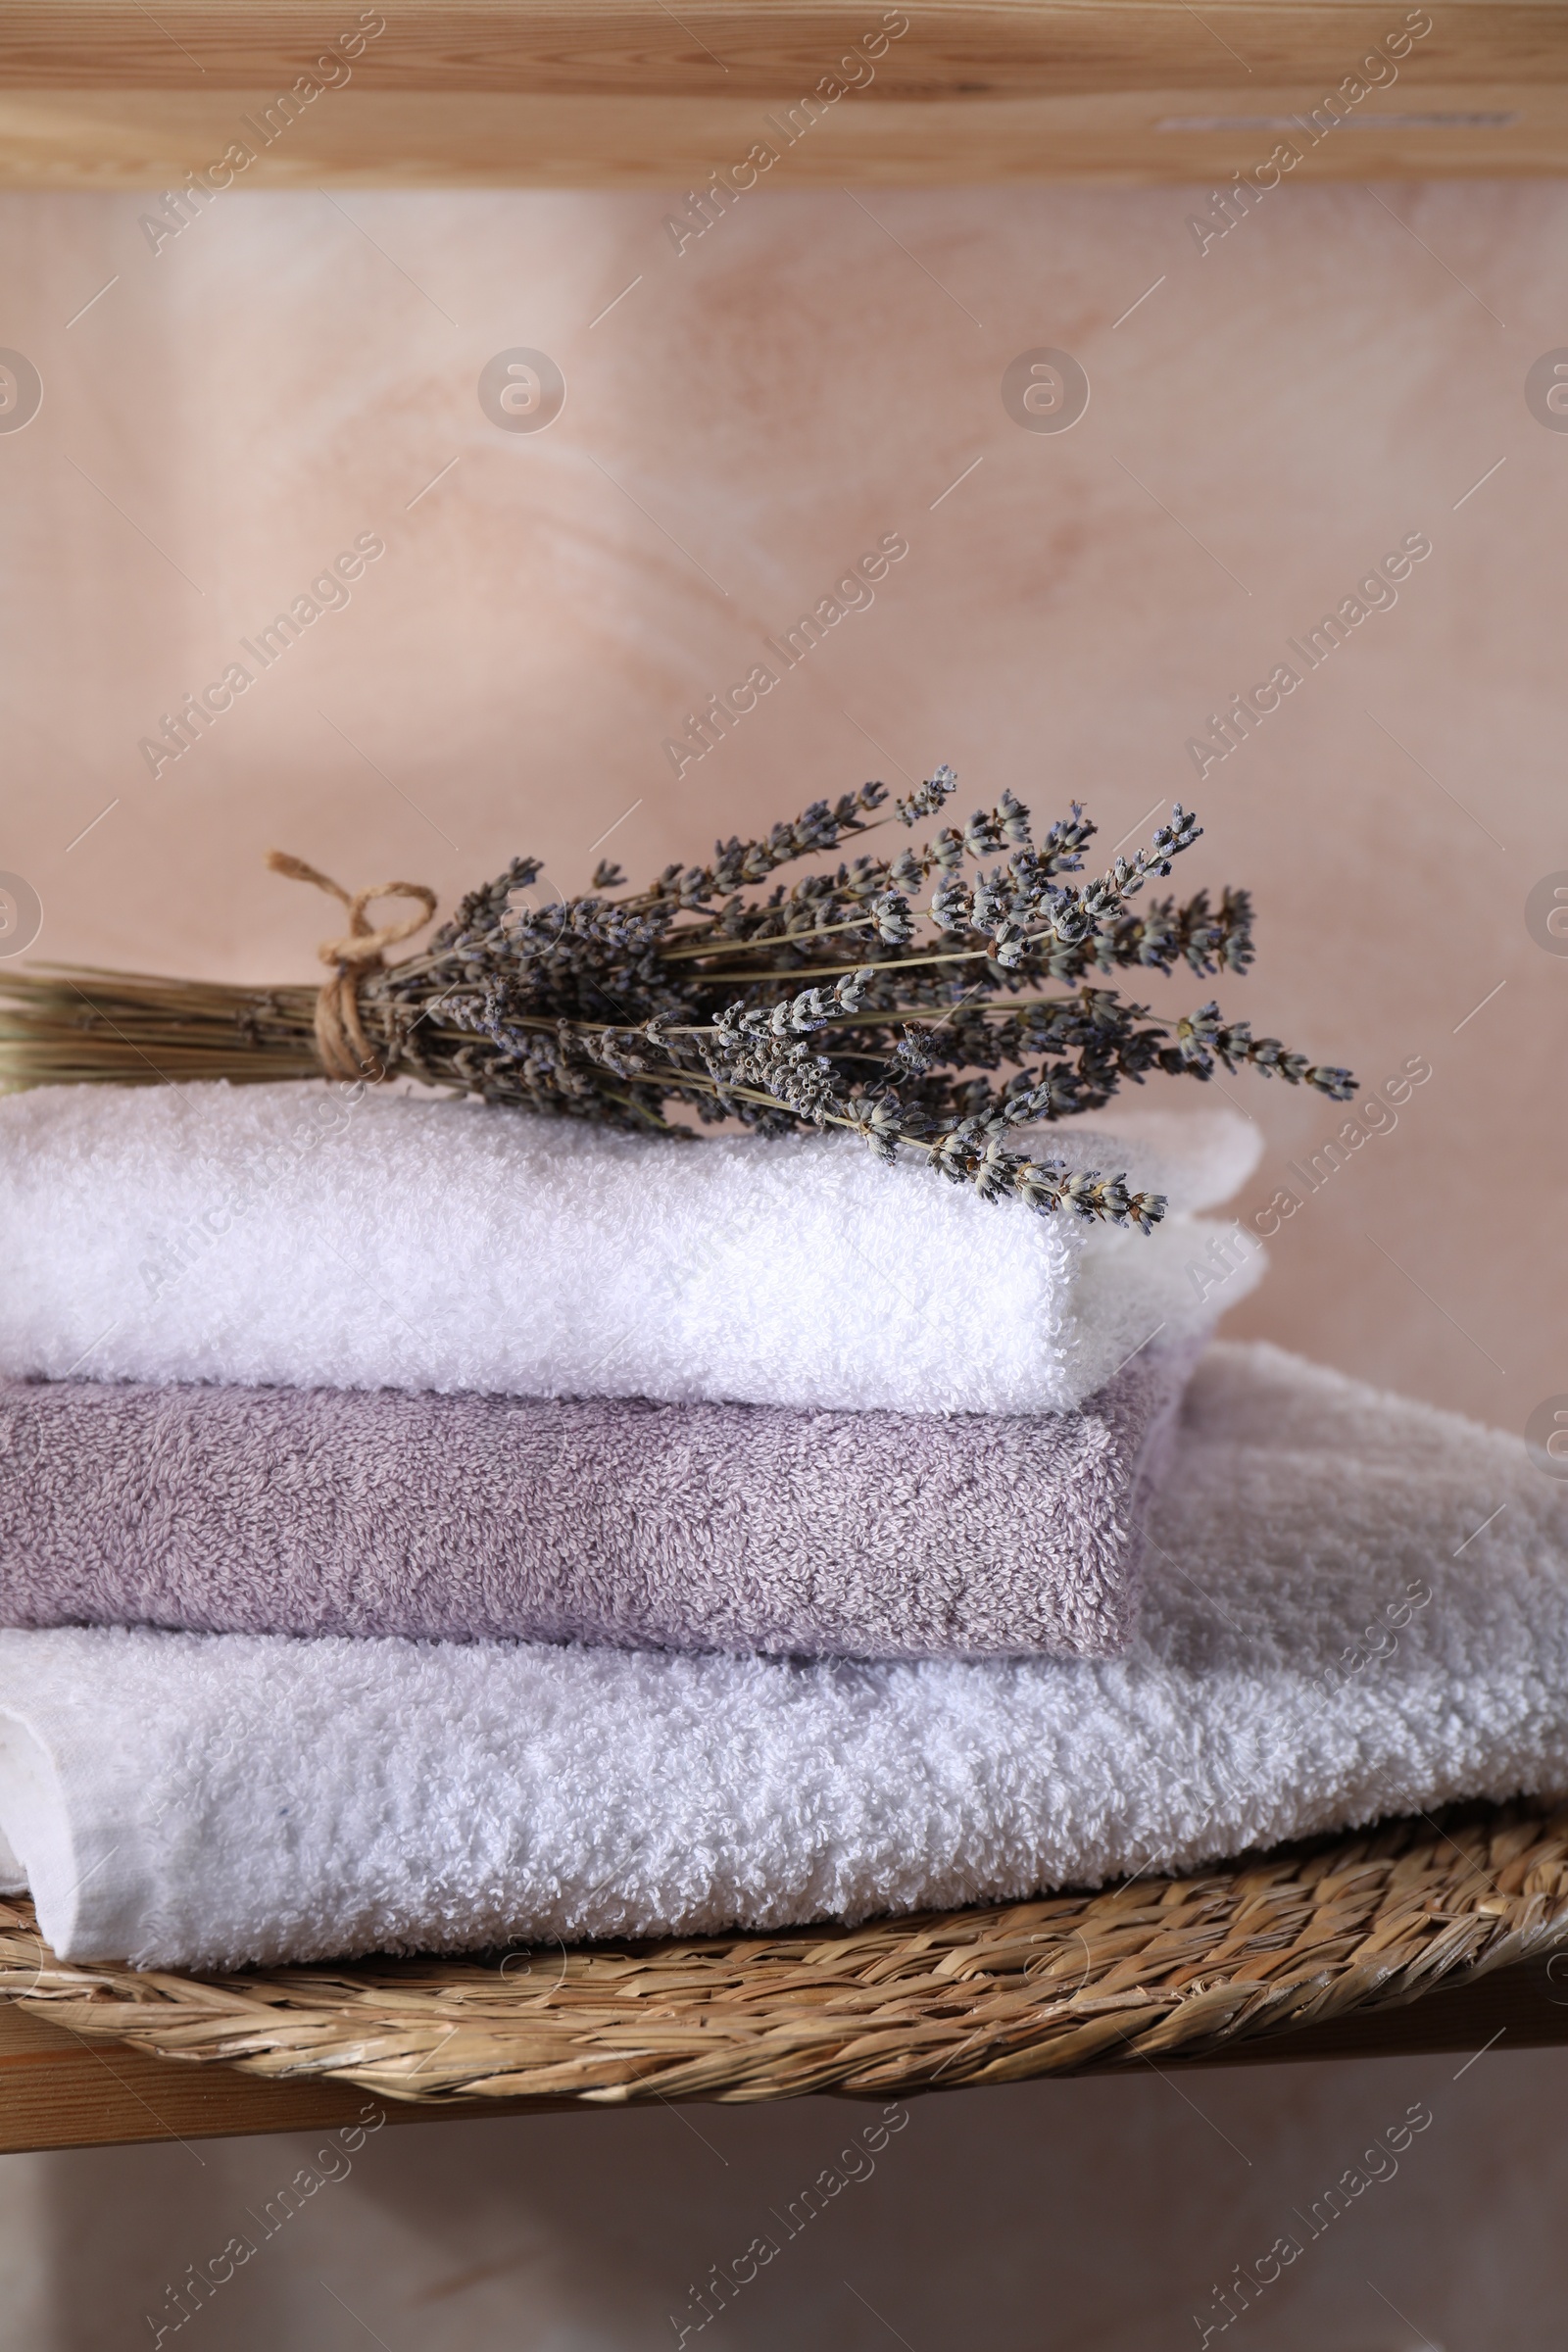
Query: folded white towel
305, 1234
184, 1799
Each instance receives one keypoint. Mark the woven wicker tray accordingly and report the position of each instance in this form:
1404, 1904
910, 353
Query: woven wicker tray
1153, 1965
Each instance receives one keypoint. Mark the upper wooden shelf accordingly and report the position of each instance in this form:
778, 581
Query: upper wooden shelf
106, 93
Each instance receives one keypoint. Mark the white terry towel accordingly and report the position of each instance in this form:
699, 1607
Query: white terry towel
187, 1799
313, 1236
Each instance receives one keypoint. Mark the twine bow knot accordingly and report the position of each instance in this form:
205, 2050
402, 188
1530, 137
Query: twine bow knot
343, 1049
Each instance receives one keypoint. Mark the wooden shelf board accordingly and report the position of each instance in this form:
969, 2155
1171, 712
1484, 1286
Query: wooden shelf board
105, 94
83, 139
639, 48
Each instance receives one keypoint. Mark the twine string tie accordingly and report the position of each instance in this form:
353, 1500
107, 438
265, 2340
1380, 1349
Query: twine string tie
342, 1047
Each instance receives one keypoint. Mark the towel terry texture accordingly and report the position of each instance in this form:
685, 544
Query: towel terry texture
1356, 1605
312, 1236
739, 1527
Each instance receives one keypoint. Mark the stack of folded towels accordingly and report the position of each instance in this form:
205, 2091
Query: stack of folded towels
427, 1525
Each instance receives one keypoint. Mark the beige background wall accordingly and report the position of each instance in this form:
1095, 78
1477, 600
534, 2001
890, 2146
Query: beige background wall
291, 371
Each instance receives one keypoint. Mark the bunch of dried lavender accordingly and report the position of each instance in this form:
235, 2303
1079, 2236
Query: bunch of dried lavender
838, 1002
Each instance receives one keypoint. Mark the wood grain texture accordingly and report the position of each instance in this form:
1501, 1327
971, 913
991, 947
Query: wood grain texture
105, 94
89, 140
636, 48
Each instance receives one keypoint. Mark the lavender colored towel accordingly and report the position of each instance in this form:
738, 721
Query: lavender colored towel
700, 1526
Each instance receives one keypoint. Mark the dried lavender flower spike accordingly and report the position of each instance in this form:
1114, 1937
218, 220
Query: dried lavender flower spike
938, 1000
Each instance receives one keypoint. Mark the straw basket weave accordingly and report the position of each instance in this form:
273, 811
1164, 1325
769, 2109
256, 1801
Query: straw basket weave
1148, 1968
